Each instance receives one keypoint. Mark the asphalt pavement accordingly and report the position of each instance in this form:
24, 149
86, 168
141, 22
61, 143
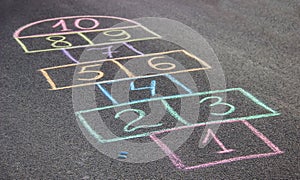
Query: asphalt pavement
257, 45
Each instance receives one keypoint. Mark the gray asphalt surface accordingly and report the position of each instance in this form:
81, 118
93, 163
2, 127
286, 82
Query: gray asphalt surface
256, 42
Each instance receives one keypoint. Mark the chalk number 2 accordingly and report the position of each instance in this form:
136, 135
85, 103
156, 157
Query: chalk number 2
141, 114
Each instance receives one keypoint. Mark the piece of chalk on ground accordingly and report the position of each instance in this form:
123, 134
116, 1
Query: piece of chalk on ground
123, 153
122, 156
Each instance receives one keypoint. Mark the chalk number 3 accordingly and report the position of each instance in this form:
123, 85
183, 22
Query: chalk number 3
219, 102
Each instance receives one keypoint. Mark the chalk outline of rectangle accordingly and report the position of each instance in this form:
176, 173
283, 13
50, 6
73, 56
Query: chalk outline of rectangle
156, 36
177, 162
53, 85
247, 94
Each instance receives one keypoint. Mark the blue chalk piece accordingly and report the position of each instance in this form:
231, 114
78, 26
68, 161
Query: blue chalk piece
123, 153
122, 157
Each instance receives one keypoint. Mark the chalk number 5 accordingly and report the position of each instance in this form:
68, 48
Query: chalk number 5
85, 70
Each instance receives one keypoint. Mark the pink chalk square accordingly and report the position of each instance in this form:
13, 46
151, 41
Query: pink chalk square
240, 145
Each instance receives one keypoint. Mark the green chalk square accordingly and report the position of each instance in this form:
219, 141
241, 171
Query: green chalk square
100, 139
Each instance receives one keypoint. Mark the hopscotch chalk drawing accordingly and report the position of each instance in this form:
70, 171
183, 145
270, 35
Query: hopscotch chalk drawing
175, 159
147, 59
75, 32
164, 101
69, 33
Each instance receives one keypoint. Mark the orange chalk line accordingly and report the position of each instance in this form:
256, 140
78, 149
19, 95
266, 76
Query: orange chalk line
127, 57
52, 84
136, 77
130, 74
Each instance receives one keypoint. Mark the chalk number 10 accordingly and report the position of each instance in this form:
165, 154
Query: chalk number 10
62, 23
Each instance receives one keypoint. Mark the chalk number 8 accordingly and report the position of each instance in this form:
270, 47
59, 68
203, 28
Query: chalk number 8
59, 40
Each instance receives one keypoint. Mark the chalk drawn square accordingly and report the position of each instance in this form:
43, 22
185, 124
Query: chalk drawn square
73, 40
214, 157
116, 62
86, 116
